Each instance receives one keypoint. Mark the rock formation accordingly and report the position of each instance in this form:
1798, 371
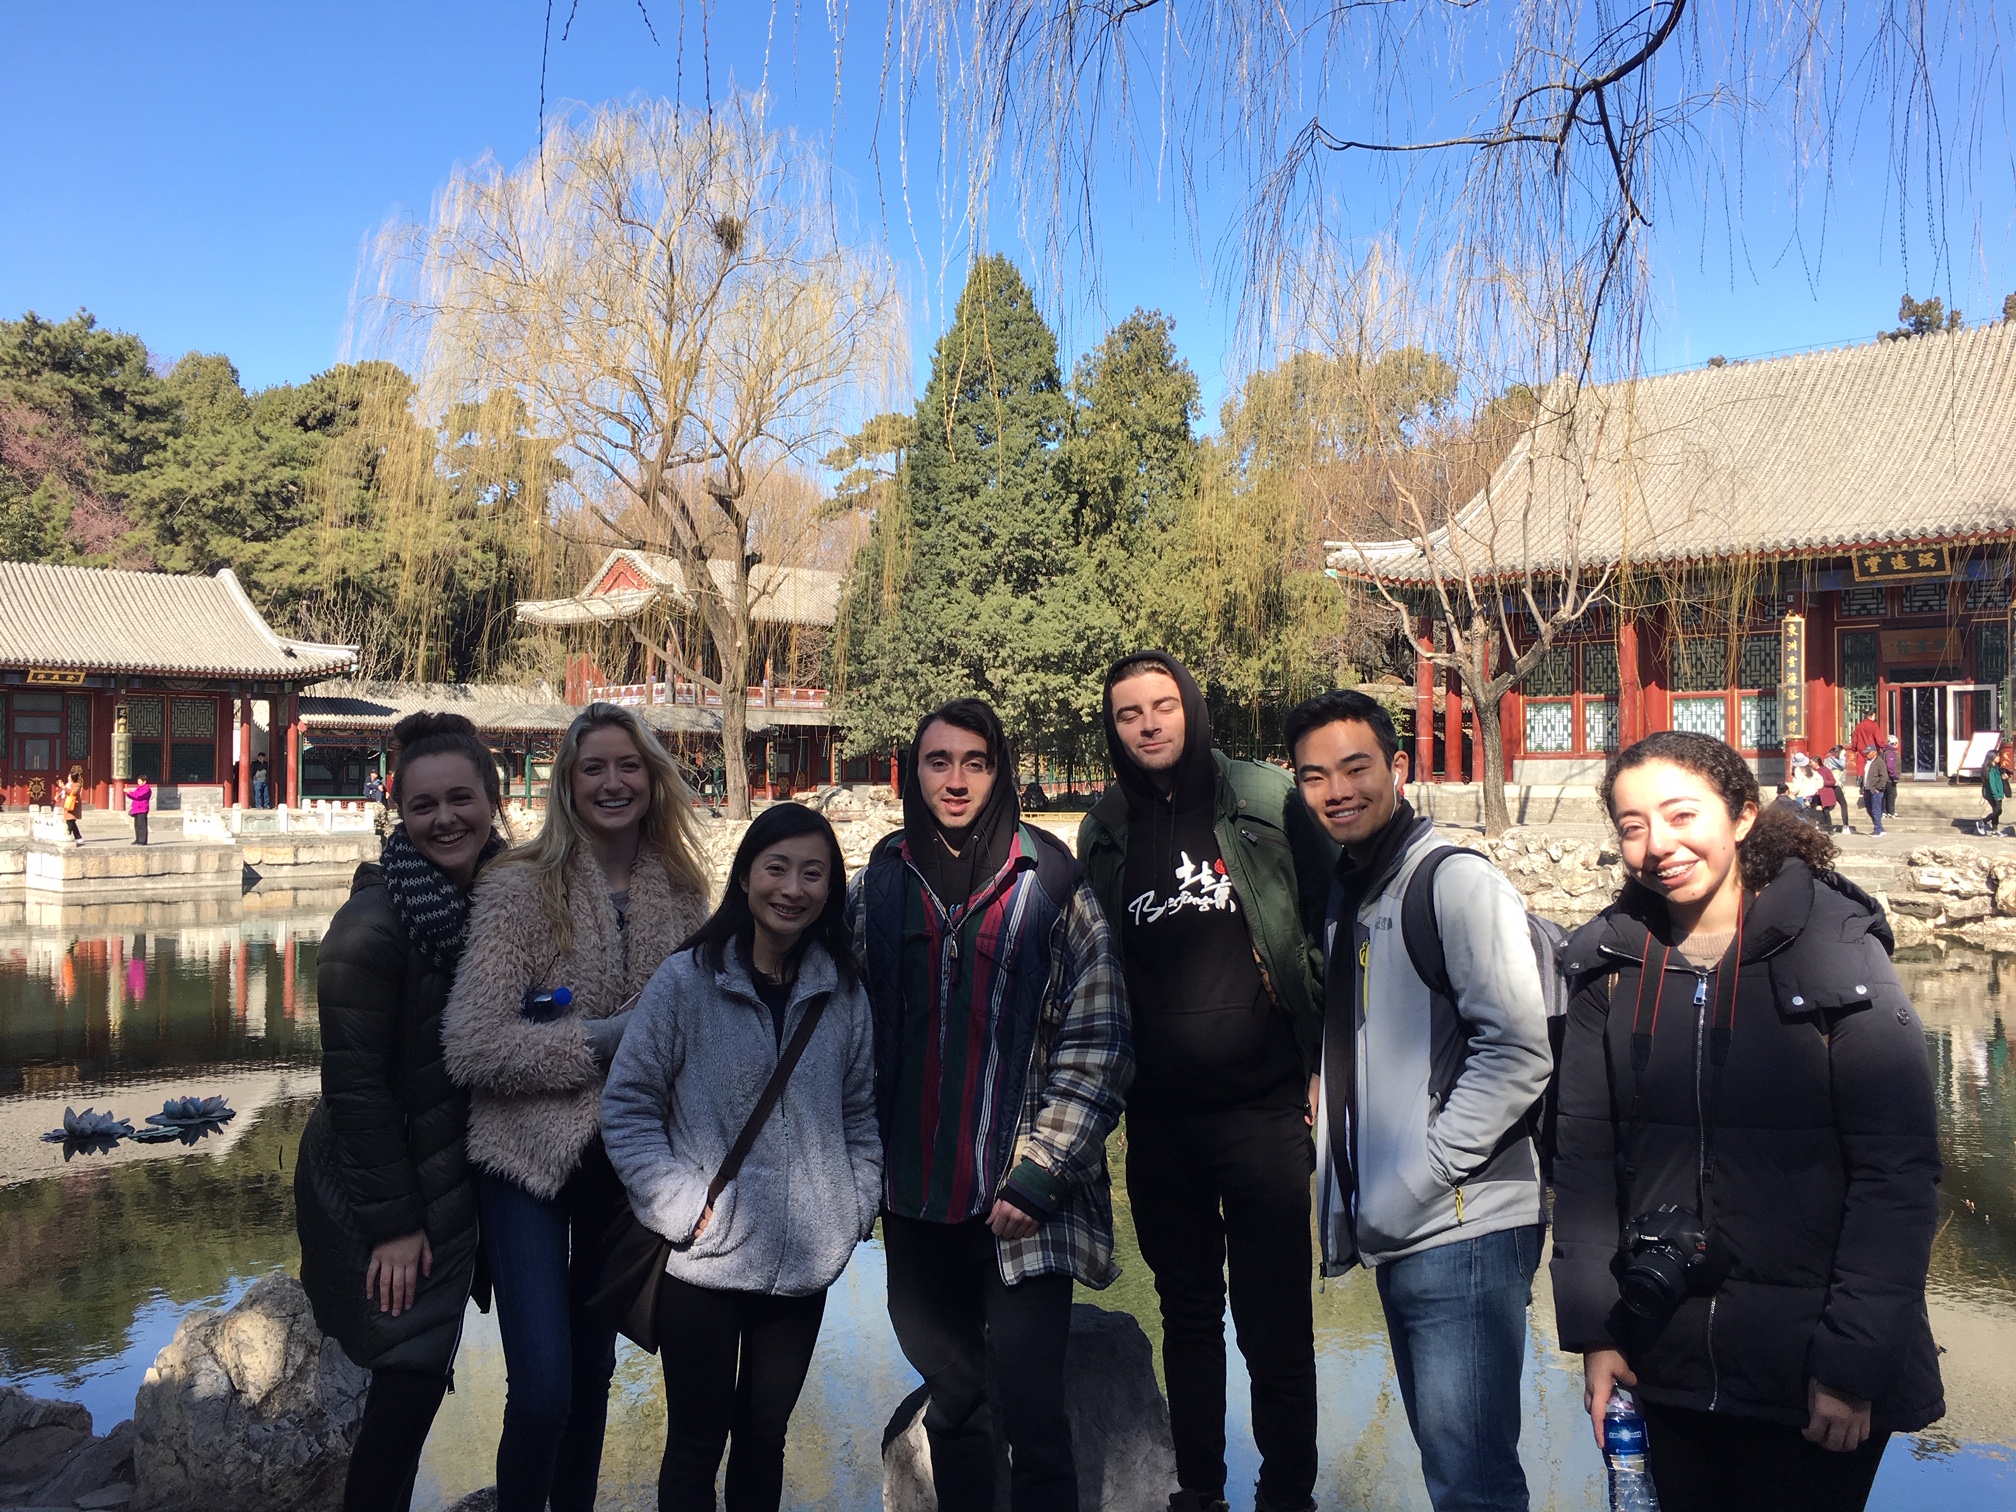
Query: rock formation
49, 1459
247, 1410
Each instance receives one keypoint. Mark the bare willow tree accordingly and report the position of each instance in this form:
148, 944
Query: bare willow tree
669, 291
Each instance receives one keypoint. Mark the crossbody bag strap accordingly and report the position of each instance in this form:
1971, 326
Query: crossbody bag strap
773, 1090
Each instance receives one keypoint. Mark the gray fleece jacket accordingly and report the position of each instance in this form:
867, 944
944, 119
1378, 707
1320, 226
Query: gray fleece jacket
1441, 1089
694, 1060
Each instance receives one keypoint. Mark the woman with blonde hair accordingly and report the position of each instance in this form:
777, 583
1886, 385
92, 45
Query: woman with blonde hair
565, 932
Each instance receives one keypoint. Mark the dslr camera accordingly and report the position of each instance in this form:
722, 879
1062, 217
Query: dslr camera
1664, 1258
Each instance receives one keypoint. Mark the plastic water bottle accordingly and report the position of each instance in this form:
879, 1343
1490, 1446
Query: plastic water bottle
1624, 1454
544, 1007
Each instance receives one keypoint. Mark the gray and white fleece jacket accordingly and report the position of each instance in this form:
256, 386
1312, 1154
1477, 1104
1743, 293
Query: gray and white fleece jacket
1442, 1088
693, 1062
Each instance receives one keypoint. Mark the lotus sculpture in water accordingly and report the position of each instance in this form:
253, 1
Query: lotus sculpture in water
187, 1119
89, 1132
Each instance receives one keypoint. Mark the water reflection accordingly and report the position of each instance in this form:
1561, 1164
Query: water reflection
105, 1255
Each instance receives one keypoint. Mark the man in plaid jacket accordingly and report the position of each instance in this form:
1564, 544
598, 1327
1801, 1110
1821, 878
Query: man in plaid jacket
1002, 1061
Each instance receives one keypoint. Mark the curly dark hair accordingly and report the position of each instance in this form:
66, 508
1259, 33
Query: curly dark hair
1774, 838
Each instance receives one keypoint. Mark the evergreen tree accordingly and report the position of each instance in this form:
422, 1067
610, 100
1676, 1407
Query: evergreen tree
970, 583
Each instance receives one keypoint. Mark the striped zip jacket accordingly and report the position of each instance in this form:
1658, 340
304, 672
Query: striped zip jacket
1057, 1044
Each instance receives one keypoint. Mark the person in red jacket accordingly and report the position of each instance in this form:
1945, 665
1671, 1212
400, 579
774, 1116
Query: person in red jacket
1867, 733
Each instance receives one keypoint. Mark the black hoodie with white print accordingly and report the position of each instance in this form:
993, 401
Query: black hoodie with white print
1205, 1029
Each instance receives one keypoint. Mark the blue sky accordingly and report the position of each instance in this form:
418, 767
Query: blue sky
206, 175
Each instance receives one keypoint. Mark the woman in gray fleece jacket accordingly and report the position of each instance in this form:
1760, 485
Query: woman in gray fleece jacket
745, 1283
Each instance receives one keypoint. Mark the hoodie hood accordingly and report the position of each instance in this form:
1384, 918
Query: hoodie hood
1196, 785
954, 862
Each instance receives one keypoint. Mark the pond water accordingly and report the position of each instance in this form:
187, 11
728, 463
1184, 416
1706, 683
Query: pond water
104, 1254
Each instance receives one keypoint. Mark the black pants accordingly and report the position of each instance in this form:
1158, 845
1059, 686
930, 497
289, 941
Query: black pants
75, 833
972, 1336
1713, 1462
734, 1365
1218, 1191
398, 1410
139, 829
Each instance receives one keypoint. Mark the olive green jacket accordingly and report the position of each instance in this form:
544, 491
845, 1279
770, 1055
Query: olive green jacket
1280, 863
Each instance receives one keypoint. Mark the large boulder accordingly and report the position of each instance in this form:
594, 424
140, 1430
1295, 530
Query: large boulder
248, 1410
38, 1438
1119, 1425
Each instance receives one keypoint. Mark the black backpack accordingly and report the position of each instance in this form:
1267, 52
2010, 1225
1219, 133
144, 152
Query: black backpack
1423, 939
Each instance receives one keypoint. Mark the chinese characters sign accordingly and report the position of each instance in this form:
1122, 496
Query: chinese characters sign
1937, 647
1903, 562
1792, 677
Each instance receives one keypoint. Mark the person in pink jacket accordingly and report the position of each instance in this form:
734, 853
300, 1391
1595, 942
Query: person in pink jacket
139, 803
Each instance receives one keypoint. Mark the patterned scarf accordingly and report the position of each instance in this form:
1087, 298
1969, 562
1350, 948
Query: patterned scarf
432, 910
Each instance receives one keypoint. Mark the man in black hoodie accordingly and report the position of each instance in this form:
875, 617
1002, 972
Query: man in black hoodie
1212, 875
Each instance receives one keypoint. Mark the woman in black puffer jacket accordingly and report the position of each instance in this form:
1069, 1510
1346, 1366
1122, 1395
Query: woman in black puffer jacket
384, 1197
1742, 1050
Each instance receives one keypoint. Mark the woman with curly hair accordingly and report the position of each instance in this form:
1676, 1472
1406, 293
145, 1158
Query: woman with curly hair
1747, 1163
565, 932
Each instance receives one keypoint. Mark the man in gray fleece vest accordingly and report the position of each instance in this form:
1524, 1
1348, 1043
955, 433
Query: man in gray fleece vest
1426, 1168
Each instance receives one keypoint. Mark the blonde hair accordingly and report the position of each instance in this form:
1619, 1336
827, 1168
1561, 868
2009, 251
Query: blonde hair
669, 825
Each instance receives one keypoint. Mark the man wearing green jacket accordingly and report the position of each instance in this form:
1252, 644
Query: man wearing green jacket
1213, 877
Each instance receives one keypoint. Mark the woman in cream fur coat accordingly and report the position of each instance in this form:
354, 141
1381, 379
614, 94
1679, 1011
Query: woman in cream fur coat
609, 889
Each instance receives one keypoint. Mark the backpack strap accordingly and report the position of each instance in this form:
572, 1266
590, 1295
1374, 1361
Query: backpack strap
1419, 931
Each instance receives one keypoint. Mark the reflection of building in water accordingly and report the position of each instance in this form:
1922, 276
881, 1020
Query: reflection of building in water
118, 1003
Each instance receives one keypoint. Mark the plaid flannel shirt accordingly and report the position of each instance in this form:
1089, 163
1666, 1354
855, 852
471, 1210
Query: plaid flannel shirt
1077, 1086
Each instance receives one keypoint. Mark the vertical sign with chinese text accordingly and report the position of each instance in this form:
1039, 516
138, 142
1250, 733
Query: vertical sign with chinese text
1792, 677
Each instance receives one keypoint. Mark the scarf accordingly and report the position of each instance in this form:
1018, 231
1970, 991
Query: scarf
432, 910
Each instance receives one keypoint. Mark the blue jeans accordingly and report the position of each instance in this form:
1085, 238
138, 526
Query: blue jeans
1456, 1316
557, 1359
1875, 802
262, 793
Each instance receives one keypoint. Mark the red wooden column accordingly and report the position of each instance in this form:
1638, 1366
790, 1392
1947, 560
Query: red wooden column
1424, 704
1631, 723
244, 753
294, 749
1452, 727
1823, 676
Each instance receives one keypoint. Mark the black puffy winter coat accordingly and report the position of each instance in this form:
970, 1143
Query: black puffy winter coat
382, 1154
1786, 1095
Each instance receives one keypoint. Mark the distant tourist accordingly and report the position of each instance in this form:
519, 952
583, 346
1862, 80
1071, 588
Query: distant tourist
384, 1197
1194, 858
1427, 1171
72, 799
262, 786
737, 1311
1877, 785
1865, 737
374, 789
1893, 758
1745, 1206
139, 802
1996, 773
613, 883
996, 1195
1785, 803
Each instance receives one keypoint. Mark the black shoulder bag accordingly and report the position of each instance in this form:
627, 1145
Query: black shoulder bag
633, 1257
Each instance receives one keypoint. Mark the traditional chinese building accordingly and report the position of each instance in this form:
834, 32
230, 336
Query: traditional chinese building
173, 664
1790, 544
792, 744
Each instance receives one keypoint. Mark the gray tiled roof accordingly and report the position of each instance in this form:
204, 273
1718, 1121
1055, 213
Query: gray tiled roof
1890, 442
98, 620
780, 595
338, 707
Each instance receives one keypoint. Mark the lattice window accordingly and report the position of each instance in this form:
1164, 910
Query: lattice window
1987, 595
195, 718
1757, 719
1924, 598
1599, 725
1700, 663
1689, 614
1703, 716
143, 718
1858, 678
1550, 727
1599, 668
77, 722
1991, 652
1553, 676
1757, 664
1864, 603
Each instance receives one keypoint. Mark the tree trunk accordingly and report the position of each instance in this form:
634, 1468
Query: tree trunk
1491, 761
735, 745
